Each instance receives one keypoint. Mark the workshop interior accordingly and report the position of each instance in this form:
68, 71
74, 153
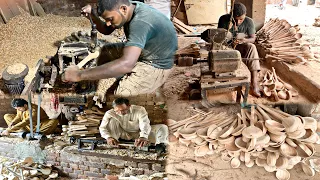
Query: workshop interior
206, 120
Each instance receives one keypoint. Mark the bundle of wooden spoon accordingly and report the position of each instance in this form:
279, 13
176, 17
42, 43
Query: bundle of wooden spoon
265, 136
273, 86
281, 41
26, 169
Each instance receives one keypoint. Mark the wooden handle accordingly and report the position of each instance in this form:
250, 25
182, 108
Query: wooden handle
88, 58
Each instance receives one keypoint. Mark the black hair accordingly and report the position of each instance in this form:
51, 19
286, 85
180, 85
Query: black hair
109, 5
239, 9
120, 101
18, 102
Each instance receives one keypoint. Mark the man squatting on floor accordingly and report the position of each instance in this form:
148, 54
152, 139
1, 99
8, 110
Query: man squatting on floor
144, 61
20, 122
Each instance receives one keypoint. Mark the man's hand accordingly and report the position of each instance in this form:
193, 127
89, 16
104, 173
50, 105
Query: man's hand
5, 133
140, 142
87, 10
10, 125
71, 74
112, 142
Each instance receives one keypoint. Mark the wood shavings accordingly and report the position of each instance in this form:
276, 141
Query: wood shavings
16, 68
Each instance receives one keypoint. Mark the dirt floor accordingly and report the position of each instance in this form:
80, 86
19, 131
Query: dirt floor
27, 39
182, 163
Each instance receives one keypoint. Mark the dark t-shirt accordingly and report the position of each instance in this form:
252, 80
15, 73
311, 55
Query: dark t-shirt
247, 26
154, 33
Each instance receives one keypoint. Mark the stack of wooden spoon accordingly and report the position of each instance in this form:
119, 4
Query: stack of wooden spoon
281, 41
265, 136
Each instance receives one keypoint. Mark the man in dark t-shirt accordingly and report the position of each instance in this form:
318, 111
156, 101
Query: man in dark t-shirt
144, 61
242, 24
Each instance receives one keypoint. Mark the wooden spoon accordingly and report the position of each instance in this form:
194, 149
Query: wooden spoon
252, 131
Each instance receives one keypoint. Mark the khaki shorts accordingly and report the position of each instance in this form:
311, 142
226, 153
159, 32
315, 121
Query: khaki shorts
249, 50
143, 79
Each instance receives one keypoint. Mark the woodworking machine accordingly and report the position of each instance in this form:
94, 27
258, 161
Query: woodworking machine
219, 74
93, 143
48, 74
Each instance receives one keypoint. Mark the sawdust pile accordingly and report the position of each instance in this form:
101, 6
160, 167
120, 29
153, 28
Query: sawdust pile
179, 80
29, 38
16, 68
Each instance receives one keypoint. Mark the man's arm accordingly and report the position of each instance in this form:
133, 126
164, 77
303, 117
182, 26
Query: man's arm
16, 119
251, 31
144, 124
250, 39
101, 25
103, 126
115, 68
24, 122
18, 126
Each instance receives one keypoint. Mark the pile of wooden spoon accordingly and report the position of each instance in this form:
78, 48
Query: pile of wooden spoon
273, 86
26, 169
282, 42
262, 135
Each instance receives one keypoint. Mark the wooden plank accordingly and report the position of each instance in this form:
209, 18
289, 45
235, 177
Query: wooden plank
6, 14
13, 6
204, 11
23, 4
1, 20
31, 8
177, 21
182, 29
39, 9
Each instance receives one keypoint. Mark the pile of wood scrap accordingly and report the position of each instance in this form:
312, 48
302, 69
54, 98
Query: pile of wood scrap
26, 169
10, 9
282, 42
317, 22
273, 86
181, 27
262, 135
85, 125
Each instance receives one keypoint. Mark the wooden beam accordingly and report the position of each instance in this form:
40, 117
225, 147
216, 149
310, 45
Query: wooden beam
13, 6
23, 4
183, 25
31, 8
5, 12
38, 8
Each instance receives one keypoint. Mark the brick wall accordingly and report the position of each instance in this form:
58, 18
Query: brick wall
79, 166
90, 165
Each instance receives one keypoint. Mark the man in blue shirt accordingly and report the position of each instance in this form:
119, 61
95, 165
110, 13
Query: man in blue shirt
144, 60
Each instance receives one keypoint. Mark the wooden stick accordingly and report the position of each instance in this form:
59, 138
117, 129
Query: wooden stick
177, 21
182, 29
